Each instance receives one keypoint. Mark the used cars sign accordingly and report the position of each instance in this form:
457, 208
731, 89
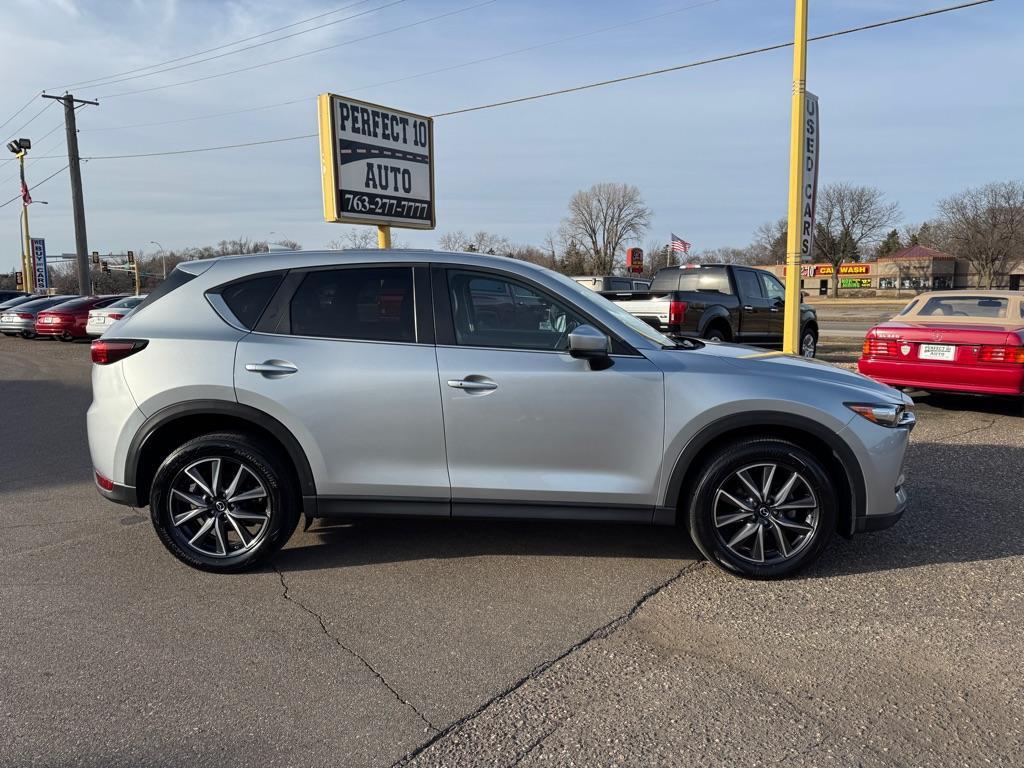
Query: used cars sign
377, 164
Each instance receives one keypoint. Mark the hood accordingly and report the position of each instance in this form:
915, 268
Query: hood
802, 371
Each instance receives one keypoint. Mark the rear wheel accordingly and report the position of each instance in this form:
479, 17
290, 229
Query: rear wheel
716, 333
763, 509
808, 342
28, 334
224, 502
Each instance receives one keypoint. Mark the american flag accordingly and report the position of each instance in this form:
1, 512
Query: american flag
26, 198
678, 244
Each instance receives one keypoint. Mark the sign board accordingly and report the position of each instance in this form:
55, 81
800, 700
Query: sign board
635, 260
809, 175
855, 282
40, 279
826, 270
376, 164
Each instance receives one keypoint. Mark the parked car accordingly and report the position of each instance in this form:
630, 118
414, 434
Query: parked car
11, 303
102, 318
67, 321
21, 319
720, 302
956, 341
613, 283
246, 391
7, 295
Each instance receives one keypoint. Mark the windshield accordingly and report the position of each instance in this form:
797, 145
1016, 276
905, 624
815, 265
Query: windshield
587, 296
126, 303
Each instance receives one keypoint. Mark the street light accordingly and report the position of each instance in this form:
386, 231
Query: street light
163, 256
19, 148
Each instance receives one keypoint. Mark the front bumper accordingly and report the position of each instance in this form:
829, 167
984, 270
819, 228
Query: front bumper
880, 451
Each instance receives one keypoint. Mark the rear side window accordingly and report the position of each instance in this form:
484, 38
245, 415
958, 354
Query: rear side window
365, 303
748, 285
248, 298
176, 279
702, 279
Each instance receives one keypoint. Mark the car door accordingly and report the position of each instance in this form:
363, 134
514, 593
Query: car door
530, 430
775, 294
754, 309
343, 359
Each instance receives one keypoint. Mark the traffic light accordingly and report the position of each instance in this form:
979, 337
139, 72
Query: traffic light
131, 257
106, 267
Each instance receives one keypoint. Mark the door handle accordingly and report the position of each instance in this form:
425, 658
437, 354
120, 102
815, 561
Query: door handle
272, 368
472, 385
774, 309
748, 308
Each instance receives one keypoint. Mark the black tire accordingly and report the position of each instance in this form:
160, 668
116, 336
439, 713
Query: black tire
267, 466
716, 476
28, 334
808, 342
715, 333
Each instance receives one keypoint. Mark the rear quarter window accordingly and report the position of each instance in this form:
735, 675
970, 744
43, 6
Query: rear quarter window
248, 298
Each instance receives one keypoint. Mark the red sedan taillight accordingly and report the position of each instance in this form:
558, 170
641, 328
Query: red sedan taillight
106, 351
1001, 354
115, 316
676, 312
878, 348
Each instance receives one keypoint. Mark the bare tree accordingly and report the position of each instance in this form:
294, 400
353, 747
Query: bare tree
986, 228
479, 242
721, 255
358, 238
769, 246
453, 241
604, 218
291, 245
849, 218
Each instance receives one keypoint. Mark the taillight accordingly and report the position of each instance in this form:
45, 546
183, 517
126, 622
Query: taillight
105, 483
25, 315
114, 316
676, 312
106, 351
1001, 354
877, 348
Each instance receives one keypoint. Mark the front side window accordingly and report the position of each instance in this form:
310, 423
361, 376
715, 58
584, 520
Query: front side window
772, 288
363, 304
515, 317
748, 285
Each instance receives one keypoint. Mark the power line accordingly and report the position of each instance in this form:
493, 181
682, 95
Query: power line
714, 60
601, 83
215, 48
249, 47
35, 186
27, 104
414, 76
31, 119
303, 54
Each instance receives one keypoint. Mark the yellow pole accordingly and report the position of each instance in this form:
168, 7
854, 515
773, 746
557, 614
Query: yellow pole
28, 281
135, 269
791, 332
383, 237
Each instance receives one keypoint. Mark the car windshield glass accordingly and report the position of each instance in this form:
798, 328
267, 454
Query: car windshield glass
586, 296
126, 303
964, 306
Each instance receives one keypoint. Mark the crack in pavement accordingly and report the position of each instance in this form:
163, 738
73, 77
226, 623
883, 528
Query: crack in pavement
323, 626
605, 630
972, 430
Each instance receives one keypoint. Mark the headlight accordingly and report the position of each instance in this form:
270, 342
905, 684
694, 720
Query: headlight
885, 415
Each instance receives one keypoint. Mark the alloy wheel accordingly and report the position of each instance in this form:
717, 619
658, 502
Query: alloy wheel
808, 345
219, 507
766, 513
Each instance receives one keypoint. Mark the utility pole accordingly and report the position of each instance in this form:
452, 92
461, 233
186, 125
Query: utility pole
791, 328
77, 203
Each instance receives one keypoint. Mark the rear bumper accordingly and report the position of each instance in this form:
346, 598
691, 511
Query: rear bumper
873, 523
59, 329
120, 494
987, 379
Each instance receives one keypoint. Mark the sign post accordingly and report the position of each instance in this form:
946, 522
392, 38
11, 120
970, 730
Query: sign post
791, 328
376, 166
40, 278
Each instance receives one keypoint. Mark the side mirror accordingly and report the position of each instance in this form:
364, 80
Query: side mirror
588, 343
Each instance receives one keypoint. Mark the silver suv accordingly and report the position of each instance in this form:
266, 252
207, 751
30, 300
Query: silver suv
248, 391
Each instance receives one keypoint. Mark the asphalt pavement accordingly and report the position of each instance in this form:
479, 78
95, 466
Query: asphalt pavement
445, 643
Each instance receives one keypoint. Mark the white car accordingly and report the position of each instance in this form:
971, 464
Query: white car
100, 319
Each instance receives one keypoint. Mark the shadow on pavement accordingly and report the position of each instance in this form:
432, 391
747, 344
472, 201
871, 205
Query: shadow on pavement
965, 506
999, 406
369, 542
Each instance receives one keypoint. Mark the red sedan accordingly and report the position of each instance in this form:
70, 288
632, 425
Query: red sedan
954, 341
67, 321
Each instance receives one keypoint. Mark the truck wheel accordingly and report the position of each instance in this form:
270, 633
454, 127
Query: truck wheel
763, 508
715, 334
808, 343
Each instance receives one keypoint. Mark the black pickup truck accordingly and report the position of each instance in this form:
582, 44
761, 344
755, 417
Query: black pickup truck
719, 302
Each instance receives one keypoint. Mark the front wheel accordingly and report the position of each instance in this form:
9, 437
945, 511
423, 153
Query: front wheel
28, 334
224, 502
763, 509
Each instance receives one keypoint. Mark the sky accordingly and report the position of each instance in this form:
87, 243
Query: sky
920, 110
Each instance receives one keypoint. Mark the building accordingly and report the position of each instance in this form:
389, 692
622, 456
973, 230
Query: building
914, 268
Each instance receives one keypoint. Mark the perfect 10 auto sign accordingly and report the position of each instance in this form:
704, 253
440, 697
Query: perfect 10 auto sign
377, 164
